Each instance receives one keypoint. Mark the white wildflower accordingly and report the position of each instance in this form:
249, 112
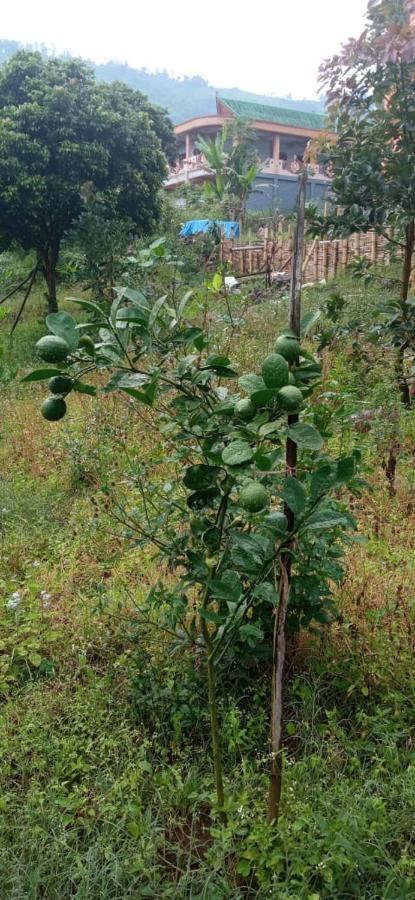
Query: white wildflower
36, 563
14, 601
46, 599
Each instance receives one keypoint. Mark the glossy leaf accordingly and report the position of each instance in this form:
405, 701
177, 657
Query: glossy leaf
64, 326
41, 374
237, 453
294, 495
305, 436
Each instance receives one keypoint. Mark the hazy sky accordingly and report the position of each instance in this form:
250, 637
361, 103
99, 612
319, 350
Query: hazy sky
273, 47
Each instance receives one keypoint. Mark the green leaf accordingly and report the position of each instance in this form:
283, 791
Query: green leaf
116, 303
322, 480
345, 469
35, 659
266, 593
135, 380
133, 829
269, 428
137, 298
155, 309
244, 867
147, 395
326, 518
251, 383
213, 361
87, 304
308, 321
132, 314
217, 281
265, 461
227, 587
250, 632
183, 303
41, 374
277, 521
237, 453
306, 436
211, 616
64, 326
263, 397
200, 477
83, 388
247, 554
294, 495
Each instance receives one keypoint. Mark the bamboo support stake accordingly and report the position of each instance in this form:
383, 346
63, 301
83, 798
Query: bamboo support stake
325, 260
307, 259
279, 645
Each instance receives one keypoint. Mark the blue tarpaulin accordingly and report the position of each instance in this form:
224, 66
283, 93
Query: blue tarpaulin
203, 226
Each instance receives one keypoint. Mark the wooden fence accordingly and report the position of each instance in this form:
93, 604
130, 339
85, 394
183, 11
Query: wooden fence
323, 259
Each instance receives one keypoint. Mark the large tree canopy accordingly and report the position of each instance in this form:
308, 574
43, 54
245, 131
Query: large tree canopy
62, 133
371, 95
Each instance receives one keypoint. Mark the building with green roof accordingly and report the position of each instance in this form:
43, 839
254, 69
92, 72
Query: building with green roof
282, 138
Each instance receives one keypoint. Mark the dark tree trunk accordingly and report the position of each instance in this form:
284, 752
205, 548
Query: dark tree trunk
407, 260
48, 259
406, 280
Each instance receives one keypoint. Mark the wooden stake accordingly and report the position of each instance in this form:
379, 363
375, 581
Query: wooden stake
279, 647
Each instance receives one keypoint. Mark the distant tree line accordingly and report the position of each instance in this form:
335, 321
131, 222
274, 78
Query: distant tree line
182, 97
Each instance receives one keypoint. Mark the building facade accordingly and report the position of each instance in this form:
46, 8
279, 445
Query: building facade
282, 137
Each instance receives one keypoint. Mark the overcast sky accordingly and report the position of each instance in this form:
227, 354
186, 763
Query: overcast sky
274, 47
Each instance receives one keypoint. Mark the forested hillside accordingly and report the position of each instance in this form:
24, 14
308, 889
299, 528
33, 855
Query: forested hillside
183, 98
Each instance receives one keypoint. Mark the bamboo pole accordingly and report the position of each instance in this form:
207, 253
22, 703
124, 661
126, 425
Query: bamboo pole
279, 643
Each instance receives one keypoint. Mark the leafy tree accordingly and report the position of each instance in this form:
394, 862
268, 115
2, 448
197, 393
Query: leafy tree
232, 513
370, 93
232, 156
62, 133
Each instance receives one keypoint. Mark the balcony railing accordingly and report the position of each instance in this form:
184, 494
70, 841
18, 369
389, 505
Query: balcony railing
197, 167
293, 167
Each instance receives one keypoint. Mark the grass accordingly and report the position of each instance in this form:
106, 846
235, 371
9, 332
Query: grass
105, 776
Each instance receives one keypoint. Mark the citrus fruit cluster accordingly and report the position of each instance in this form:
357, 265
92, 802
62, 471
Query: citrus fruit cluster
54, 349
279, 388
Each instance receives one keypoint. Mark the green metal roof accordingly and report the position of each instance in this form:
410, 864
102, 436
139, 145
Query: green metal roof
263, 113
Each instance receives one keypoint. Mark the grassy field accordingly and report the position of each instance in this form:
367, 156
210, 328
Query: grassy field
105, 775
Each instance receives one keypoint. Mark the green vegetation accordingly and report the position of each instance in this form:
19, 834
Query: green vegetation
56, 151
207, 564
370, 97
106, 779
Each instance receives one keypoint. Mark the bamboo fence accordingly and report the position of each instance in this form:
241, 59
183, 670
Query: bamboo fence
323, 259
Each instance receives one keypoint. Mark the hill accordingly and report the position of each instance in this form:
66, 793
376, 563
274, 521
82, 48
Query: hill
182, 97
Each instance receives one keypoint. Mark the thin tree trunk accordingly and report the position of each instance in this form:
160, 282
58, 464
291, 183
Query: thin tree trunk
298, 259
405, 285
48, 262
215, 735
407, 260
279, 648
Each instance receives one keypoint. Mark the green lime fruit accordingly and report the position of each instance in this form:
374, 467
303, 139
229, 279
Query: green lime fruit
244, 409
87, 344
253, 497
288, 347
53, 408
60, 384
291, 378
52, 348
290, 398
275, 371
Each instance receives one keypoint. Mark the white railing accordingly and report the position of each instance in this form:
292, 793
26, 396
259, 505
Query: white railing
293, 166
